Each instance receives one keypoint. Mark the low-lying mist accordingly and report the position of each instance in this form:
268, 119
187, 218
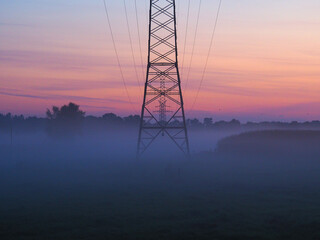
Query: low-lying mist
235, 185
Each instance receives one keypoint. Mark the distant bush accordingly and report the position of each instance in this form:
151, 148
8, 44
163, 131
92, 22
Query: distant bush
270, 143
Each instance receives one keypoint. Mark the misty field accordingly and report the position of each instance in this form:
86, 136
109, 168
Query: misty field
256, 185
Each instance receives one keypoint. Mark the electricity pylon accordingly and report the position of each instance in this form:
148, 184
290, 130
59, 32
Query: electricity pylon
162, 109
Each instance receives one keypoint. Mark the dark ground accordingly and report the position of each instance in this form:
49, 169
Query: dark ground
259, 185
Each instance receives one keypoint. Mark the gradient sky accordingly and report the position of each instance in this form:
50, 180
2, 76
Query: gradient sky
265, 64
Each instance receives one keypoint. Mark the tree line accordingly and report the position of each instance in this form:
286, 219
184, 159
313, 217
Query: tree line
70, 119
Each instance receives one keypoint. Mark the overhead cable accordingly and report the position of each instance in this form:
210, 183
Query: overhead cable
185, 37
116, 53
208, 55
193, 45
131, 44
139, 38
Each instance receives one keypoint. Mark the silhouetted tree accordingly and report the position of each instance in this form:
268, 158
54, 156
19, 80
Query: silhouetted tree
223, 125
234, 123
132, 120
112, 118
66, 120
194, 123
207, 122
70, 112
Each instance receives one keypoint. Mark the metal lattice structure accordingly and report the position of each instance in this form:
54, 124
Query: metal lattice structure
162, 109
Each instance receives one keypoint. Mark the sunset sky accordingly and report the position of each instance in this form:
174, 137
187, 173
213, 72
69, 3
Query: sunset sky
265, 63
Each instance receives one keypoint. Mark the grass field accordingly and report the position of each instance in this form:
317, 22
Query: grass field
258, 185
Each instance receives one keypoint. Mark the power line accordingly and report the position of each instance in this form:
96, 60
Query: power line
146, 10
116, 52
194, 44
139, 37
131, 44
178, 12
208, 55
186, 35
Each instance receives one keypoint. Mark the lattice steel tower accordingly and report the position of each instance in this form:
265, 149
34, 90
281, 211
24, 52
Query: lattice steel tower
162, 109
